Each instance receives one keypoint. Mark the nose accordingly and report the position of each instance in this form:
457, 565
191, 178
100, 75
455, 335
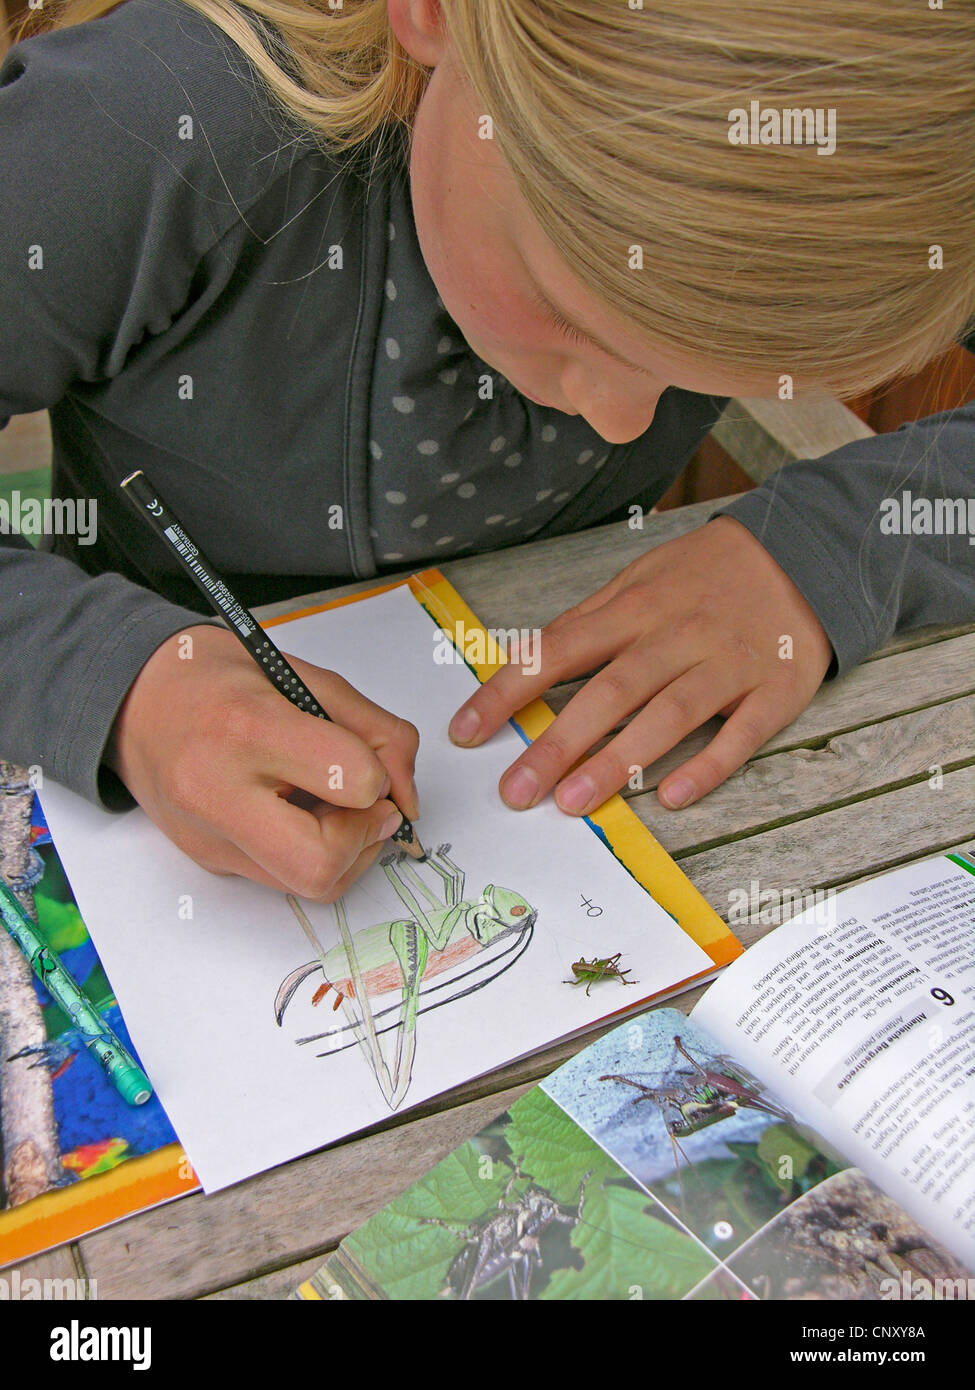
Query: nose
619, 412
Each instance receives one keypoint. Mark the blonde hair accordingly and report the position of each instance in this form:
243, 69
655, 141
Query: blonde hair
613, 117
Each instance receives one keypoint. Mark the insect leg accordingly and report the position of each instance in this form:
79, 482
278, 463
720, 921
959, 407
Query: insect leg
684, 1053
411, 947
520, 1286
438, 926
582, 1193
406, 896
406, 870
364, 1028
452, 876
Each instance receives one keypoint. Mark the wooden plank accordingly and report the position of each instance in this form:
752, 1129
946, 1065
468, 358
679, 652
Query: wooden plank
793, 784
962, 847
60, 1265
832, 849
921, 637
762, 435
26, 443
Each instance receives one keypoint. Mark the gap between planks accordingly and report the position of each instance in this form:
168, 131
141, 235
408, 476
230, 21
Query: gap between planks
871, 761
830, 850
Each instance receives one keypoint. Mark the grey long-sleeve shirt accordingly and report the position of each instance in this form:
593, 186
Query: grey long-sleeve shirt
192, 286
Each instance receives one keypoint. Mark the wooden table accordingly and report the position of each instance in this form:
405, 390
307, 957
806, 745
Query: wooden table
851, 788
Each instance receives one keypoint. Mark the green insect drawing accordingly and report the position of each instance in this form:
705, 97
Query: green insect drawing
384, 976
587, 972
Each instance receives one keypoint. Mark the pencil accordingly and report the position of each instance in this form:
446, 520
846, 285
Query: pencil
239, 619
120, 1066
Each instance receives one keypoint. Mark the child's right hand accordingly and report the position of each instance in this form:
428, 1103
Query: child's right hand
212, 753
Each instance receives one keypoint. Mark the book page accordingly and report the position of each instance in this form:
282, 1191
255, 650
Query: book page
270, 1027
650, 1166
861, 1014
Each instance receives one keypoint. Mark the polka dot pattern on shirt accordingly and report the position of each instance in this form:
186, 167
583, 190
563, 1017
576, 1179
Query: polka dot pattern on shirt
450, 469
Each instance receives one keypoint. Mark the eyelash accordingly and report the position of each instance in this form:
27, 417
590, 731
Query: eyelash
567, 329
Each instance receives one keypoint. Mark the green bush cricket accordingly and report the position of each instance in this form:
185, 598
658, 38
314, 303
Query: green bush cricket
587, 972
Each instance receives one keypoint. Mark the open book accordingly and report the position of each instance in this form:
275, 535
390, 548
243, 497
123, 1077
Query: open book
809, 1132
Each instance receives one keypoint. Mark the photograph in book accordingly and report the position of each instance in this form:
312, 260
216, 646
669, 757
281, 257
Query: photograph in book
692, 1126
653, 1165
531, 1208
846, 1239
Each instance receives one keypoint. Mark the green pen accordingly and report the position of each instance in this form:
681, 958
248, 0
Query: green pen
118, 1063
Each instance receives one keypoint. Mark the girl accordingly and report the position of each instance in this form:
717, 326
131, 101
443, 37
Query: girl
364, 284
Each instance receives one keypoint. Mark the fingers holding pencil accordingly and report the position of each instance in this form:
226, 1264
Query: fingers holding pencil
394, 741
316, 852
244, 782
275, 670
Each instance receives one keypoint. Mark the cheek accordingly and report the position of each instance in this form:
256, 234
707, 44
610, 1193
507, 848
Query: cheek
482, 297
475, 285
466, 254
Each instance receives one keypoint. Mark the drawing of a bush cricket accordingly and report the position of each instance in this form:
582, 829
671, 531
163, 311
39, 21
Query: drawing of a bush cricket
505, 1241
587, 972
691, 1101
450, 936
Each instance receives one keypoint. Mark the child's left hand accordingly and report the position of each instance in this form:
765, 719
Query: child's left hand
691, 629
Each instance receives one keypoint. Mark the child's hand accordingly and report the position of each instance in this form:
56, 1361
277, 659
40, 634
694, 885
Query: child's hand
695, 627
212, 752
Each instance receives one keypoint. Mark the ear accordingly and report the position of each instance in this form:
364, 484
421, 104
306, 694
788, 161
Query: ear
419, 26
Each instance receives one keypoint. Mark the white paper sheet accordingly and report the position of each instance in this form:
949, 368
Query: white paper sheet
198, 992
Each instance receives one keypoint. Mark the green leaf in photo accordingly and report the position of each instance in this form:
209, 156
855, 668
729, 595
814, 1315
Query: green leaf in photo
61, 922
553, 1150
628, 1252
786, 1155
410, 1259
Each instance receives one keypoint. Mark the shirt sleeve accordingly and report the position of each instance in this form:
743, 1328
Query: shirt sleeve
879, 536
107, 212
